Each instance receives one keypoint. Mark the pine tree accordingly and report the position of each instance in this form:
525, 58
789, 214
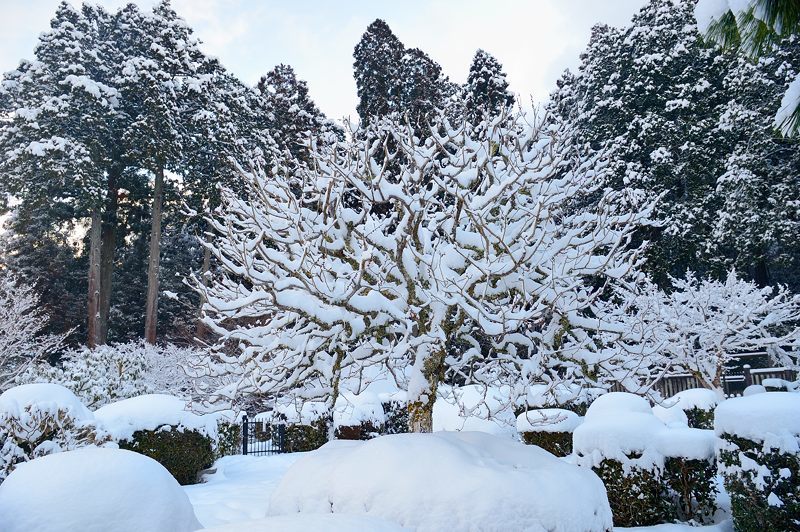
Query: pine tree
757, 226
421, 86
376, 69
654, 93
294, 116
58, 142
486, 92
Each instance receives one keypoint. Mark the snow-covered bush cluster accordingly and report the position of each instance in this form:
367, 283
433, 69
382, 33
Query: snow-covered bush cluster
41, 419
45, 418
759, 458
652, 472
114, 372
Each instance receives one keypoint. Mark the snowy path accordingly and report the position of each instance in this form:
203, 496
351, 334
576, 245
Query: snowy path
240, 489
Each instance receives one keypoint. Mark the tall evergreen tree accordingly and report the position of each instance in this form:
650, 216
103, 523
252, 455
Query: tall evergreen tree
486, 92
757, 226
376, 68
655, 92
294, 116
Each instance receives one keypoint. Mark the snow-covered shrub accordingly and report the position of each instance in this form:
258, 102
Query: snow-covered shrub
395, 411
618, 441
159, 426
549, 428
113, 372
22, 321
41, 419
358, 416
409, 479
229, 438
184, 453
759, 459
94, 489
689, 471
694, 407
309, 424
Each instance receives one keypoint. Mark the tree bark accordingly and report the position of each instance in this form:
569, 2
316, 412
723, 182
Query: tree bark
420, 411
201, 330
151, 308
93, 306
107, 251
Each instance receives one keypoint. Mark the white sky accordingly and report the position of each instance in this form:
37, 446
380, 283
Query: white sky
535, 40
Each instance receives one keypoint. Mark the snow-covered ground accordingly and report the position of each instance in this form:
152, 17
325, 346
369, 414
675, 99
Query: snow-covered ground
240, 488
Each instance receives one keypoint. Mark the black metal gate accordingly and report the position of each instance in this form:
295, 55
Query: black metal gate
262, 437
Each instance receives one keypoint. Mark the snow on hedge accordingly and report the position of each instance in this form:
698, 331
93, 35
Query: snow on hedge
475, 407
44, 397
548, 420
673, 409
94, 490
446, 481
620, 425
769, 417
149, 412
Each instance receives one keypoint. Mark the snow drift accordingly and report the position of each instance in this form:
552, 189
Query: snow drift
446, 481
94, 490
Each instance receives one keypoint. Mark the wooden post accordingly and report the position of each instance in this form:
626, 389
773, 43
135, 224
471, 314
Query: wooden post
748, 376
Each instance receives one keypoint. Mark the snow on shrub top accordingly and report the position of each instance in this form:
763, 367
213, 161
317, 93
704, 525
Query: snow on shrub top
685, 442
769, 417
94, 489
548, 420
618, 402
474, 407
618, 435
623, 427
149, 412
43, 396
446, 481
354, 409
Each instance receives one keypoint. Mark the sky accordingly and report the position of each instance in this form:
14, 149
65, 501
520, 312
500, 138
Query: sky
535, 40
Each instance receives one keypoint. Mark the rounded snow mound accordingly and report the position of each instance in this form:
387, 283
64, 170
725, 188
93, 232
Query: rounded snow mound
94, 490
672, 411
446, 481
769, 417
43, 396
616, 402
149, 412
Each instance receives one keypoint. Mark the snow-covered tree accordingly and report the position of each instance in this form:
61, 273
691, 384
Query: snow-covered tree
653, 92
377, 59
702, 324
293, 115
486, 92
756, 27
22, 321
756, 225
483, 245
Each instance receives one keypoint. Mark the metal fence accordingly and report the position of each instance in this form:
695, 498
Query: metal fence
263, 438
